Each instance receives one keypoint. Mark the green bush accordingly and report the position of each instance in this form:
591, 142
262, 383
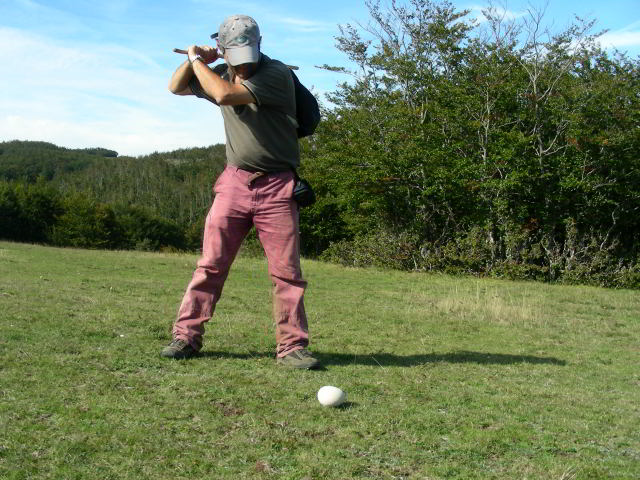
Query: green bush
383, 249
28, 212
145, 231
86, 223
320, 225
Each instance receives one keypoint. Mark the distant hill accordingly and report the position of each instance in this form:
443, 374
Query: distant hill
28, 160
175, 185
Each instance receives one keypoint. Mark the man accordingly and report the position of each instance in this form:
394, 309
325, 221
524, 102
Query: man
257, 99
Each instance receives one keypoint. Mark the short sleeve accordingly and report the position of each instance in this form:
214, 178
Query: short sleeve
272, 86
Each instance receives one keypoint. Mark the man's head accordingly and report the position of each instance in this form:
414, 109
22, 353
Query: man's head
239, 39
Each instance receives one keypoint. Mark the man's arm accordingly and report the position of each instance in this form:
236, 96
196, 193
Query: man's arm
179, 83
222, 91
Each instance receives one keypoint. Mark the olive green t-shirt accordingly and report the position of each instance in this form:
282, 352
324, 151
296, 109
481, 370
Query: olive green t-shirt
261, 136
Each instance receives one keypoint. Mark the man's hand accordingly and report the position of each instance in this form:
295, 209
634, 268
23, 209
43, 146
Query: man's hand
221, 91
207, 54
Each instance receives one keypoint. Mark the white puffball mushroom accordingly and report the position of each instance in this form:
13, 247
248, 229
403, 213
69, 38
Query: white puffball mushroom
330, 396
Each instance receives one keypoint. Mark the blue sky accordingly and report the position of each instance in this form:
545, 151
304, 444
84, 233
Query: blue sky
85, 73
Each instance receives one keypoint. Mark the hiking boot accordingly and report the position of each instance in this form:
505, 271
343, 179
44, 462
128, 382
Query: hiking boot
178, 349
302, 358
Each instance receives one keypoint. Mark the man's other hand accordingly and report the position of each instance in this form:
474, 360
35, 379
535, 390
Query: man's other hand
207, 53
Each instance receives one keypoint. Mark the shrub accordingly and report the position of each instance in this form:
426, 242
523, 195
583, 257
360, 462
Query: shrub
383, 249
86, 223
145, 231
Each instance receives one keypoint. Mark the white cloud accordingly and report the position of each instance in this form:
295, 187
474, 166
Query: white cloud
620, 39
85, 95
304, 25
500, 12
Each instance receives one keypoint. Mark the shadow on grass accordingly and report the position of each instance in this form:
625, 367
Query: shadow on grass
394, 360
240, 356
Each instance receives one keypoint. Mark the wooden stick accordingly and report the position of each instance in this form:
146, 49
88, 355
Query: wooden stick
184, 52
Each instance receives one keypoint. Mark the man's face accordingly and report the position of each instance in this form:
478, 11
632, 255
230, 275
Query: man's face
244, 71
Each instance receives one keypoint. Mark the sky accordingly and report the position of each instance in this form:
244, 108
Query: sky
89, 73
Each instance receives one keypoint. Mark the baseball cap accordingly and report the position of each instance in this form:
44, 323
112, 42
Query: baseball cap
239, 36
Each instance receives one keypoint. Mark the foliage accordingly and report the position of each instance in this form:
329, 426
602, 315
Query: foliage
381, 249
87, 224
29, 161
146, 231
40, 213
175, 185
153, 202
28, 212
501, 149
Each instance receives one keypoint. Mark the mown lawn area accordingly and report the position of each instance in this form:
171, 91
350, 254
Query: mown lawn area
447, 378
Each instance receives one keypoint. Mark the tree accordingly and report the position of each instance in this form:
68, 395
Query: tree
491, 148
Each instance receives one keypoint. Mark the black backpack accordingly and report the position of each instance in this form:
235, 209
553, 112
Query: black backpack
307, 110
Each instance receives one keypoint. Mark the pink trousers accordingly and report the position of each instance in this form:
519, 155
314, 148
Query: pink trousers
242, 200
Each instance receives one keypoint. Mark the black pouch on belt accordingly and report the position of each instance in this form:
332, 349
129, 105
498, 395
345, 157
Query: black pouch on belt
303, 193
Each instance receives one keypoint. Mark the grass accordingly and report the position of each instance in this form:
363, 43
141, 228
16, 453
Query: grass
446, 377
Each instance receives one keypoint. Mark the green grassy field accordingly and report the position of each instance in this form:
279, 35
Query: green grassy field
446, 377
